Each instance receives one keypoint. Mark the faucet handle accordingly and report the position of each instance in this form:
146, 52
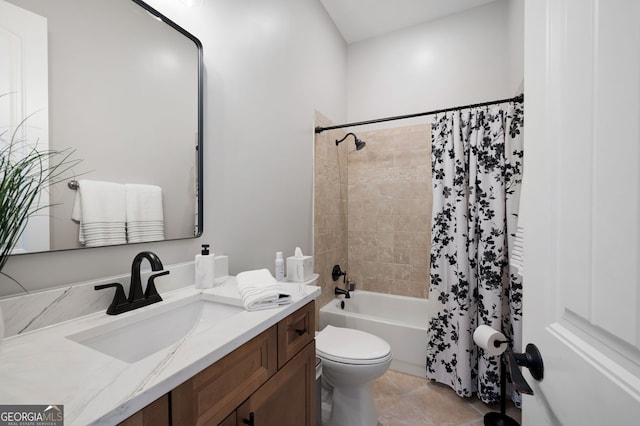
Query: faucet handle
336, 273
151, 292
119, 303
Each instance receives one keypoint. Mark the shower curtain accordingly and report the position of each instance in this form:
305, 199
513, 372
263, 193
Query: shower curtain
477, 160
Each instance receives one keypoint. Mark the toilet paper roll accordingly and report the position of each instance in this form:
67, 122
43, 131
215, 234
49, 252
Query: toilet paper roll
489, 339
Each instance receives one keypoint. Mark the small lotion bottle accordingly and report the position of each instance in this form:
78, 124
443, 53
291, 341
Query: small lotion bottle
279, 266
205, 273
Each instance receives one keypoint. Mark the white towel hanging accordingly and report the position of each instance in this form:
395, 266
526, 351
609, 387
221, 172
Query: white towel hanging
100, 208
145, 214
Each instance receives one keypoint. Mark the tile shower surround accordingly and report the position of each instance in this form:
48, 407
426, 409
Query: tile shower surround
330, 187
389, 211
373, 209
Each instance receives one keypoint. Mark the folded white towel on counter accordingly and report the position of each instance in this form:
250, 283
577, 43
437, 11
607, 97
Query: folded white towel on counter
259, 290
145, 215
100, 208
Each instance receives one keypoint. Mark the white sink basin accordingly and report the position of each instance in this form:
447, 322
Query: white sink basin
144, 333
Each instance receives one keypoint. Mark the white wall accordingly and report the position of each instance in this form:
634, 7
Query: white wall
269, 65
457, 60
516, 46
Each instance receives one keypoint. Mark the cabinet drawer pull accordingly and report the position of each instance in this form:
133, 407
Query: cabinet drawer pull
250, 421
301, 331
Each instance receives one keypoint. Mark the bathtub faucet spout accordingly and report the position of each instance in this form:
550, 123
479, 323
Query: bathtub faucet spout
339, 291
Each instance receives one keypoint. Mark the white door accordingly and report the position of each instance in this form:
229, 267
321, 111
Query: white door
581, 210
24, 89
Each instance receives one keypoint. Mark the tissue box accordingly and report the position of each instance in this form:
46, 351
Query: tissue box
299, 269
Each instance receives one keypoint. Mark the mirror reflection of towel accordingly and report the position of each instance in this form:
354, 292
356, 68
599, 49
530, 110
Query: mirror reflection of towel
100, 208
145, 216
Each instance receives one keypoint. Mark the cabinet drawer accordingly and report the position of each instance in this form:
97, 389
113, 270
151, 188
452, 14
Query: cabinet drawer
211, 395
295, 332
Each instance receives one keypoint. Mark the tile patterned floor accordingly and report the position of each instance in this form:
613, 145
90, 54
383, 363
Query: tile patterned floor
402, 400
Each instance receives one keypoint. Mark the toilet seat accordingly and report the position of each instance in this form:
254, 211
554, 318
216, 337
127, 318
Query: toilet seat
349, 346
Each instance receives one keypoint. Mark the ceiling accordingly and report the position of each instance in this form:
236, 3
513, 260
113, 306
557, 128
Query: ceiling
361, 19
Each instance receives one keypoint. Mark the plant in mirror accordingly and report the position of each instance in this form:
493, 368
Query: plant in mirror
124, 90
27, 172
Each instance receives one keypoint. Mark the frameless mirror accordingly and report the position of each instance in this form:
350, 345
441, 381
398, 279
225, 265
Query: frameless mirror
119, 83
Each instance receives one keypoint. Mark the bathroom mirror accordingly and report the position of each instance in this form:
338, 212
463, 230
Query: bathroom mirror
121, 85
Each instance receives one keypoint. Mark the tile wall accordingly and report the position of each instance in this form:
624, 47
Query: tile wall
389, 211
372, 212
330, 207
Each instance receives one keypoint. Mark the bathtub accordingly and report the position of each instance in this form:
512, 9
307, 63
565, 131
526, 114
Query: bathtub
400, 320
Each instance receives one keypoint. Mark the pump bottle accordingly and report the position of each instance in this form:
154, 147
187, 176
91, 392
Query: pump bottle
204, 277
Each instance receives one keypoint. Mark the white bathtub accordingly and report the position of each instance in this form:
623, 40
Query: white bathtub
400, 320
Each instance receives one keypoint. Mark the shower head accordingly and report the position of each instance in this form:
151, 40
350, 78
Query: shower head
359, 143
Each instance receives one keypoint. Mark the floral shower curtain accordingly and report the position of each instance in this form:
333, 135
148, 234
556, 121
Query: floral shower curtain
477, 160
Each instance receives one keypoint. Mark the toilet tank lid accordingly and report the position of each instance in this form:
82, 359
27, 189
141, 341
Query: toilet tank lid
348, 343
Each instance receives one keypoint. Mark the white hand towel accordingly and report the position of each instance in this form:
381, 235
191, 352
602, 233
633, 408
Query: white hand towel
259, 290
145, 215
100, 208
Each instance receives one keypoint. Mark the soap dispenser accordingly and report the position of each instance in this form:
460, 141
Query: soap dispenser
205, 275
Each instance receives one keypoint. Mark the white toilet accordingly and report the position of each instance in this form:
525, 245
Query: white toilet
351, 360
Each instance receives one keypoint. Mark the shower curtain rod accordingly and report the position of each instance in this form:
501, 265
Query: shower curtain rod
519, 98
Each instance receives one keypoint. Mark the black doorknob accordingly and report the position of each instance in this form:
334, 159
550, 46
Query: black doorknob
532, 359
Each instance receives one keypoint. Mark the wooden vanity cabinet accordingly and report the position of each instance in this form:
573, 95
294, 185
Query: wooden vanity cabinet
209, 396
271, 376
288, 398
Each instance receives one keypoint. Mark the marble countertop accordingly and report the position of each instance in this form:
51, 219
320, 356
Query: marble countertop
45, 367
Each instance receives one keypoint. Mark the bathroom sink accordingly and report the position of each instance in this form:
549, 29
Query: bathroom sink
144, 333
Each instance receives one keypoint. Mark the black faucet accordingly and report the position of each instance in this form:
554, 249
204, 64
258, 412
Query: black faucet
338, 291
336, 273
137, 298
135, 290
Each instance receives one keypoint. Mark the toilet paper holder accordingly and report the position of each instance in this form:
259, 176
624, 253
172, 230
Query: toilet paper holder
495, 343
